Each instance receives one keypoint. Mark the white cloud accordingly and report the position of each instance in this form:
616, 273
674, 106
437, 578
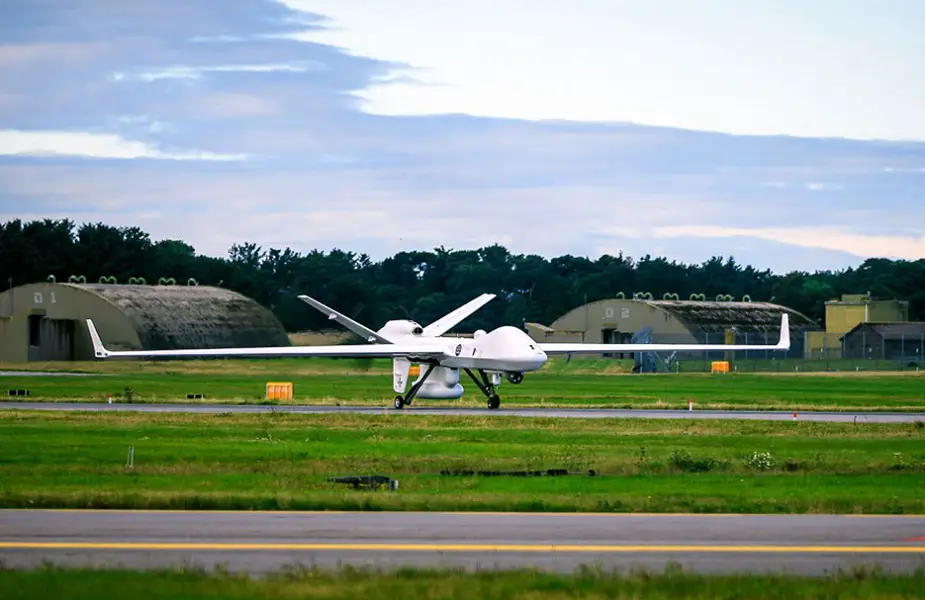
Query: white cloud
187, 72
356, 209
363, 210
633, 61
150, 125
822, 186
903, 170
899, 247
94, 145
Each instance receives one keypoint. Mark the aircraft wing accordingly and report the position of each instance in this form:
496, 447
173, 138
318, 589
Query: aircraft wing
361, 330
782, 344
411, 351
446, 322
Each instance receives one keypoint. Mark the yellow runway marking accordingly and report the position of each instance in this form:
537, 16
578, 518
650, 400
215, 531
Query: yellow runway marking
452, 547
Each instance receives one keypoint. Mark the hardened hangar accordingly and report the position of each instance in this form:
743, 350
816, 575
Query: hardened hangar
46, 321
625, 321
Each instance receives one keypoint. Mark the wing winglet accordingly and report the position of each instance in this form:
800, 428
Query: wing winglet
784, 342
99, 351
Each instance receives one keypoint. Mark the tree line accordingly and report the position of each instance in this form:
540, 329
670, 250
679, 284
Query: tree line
423, 285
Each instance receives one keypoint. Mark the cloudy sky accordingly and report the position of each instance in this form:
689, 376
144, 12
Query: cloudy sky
786, 133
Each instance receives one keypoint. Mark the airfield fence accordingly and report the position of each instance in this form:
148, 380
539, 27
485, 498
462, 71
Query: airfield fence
809, 352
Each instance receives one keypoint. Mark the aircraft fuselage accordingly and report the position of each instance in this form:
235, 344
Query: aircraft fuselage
503, 349
485, 357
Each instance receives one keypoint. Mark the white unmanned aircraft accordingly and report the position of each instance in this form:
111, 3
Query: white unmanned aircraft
506, 351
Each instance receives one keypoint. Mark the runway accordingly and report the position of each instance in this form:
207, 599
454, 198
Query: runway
258, 542
573, 413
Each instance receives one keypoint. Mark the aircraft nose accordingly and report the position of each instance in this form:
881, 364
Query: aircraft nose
536, 358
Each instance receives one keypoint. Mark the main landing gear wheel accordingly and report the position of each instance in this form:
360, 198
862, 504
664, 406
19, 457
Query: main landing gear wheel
494, 401
402, 401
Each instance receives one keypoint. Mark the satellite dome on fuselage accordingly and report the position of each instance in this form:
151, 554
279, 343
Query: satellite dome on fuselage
508, 339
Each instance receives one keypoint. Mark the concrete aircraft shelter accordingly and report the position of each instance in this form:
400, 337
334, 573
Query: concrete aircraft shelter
46, 321
617, 320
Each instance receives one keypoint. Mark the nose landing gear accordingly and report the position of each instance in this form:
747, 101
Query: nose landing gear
487, 388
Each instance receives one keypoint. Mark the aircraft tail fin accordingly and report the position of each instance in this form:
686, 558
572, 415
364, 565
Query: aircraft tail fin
363, 331
451, 319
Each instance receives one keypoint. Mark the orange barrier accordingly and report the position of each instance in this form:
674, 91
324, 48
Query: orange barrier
279, 390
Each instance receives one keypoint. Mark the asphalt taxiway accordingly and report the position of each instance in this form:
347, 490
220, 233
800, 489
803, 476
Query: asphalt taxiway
573, 413
259, 542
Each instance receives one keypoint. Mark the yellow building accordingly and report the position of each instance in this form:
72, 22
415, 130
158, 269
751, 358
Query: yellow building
841, 316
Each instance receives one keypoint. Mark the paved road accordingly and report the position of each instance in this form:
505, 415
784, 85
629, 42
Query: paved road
264, 541
578, 413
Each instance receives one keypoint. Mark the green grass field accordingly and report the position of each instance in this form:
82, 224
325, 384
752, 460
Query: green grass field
278, 461
588, 584
585, 383
282, 461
